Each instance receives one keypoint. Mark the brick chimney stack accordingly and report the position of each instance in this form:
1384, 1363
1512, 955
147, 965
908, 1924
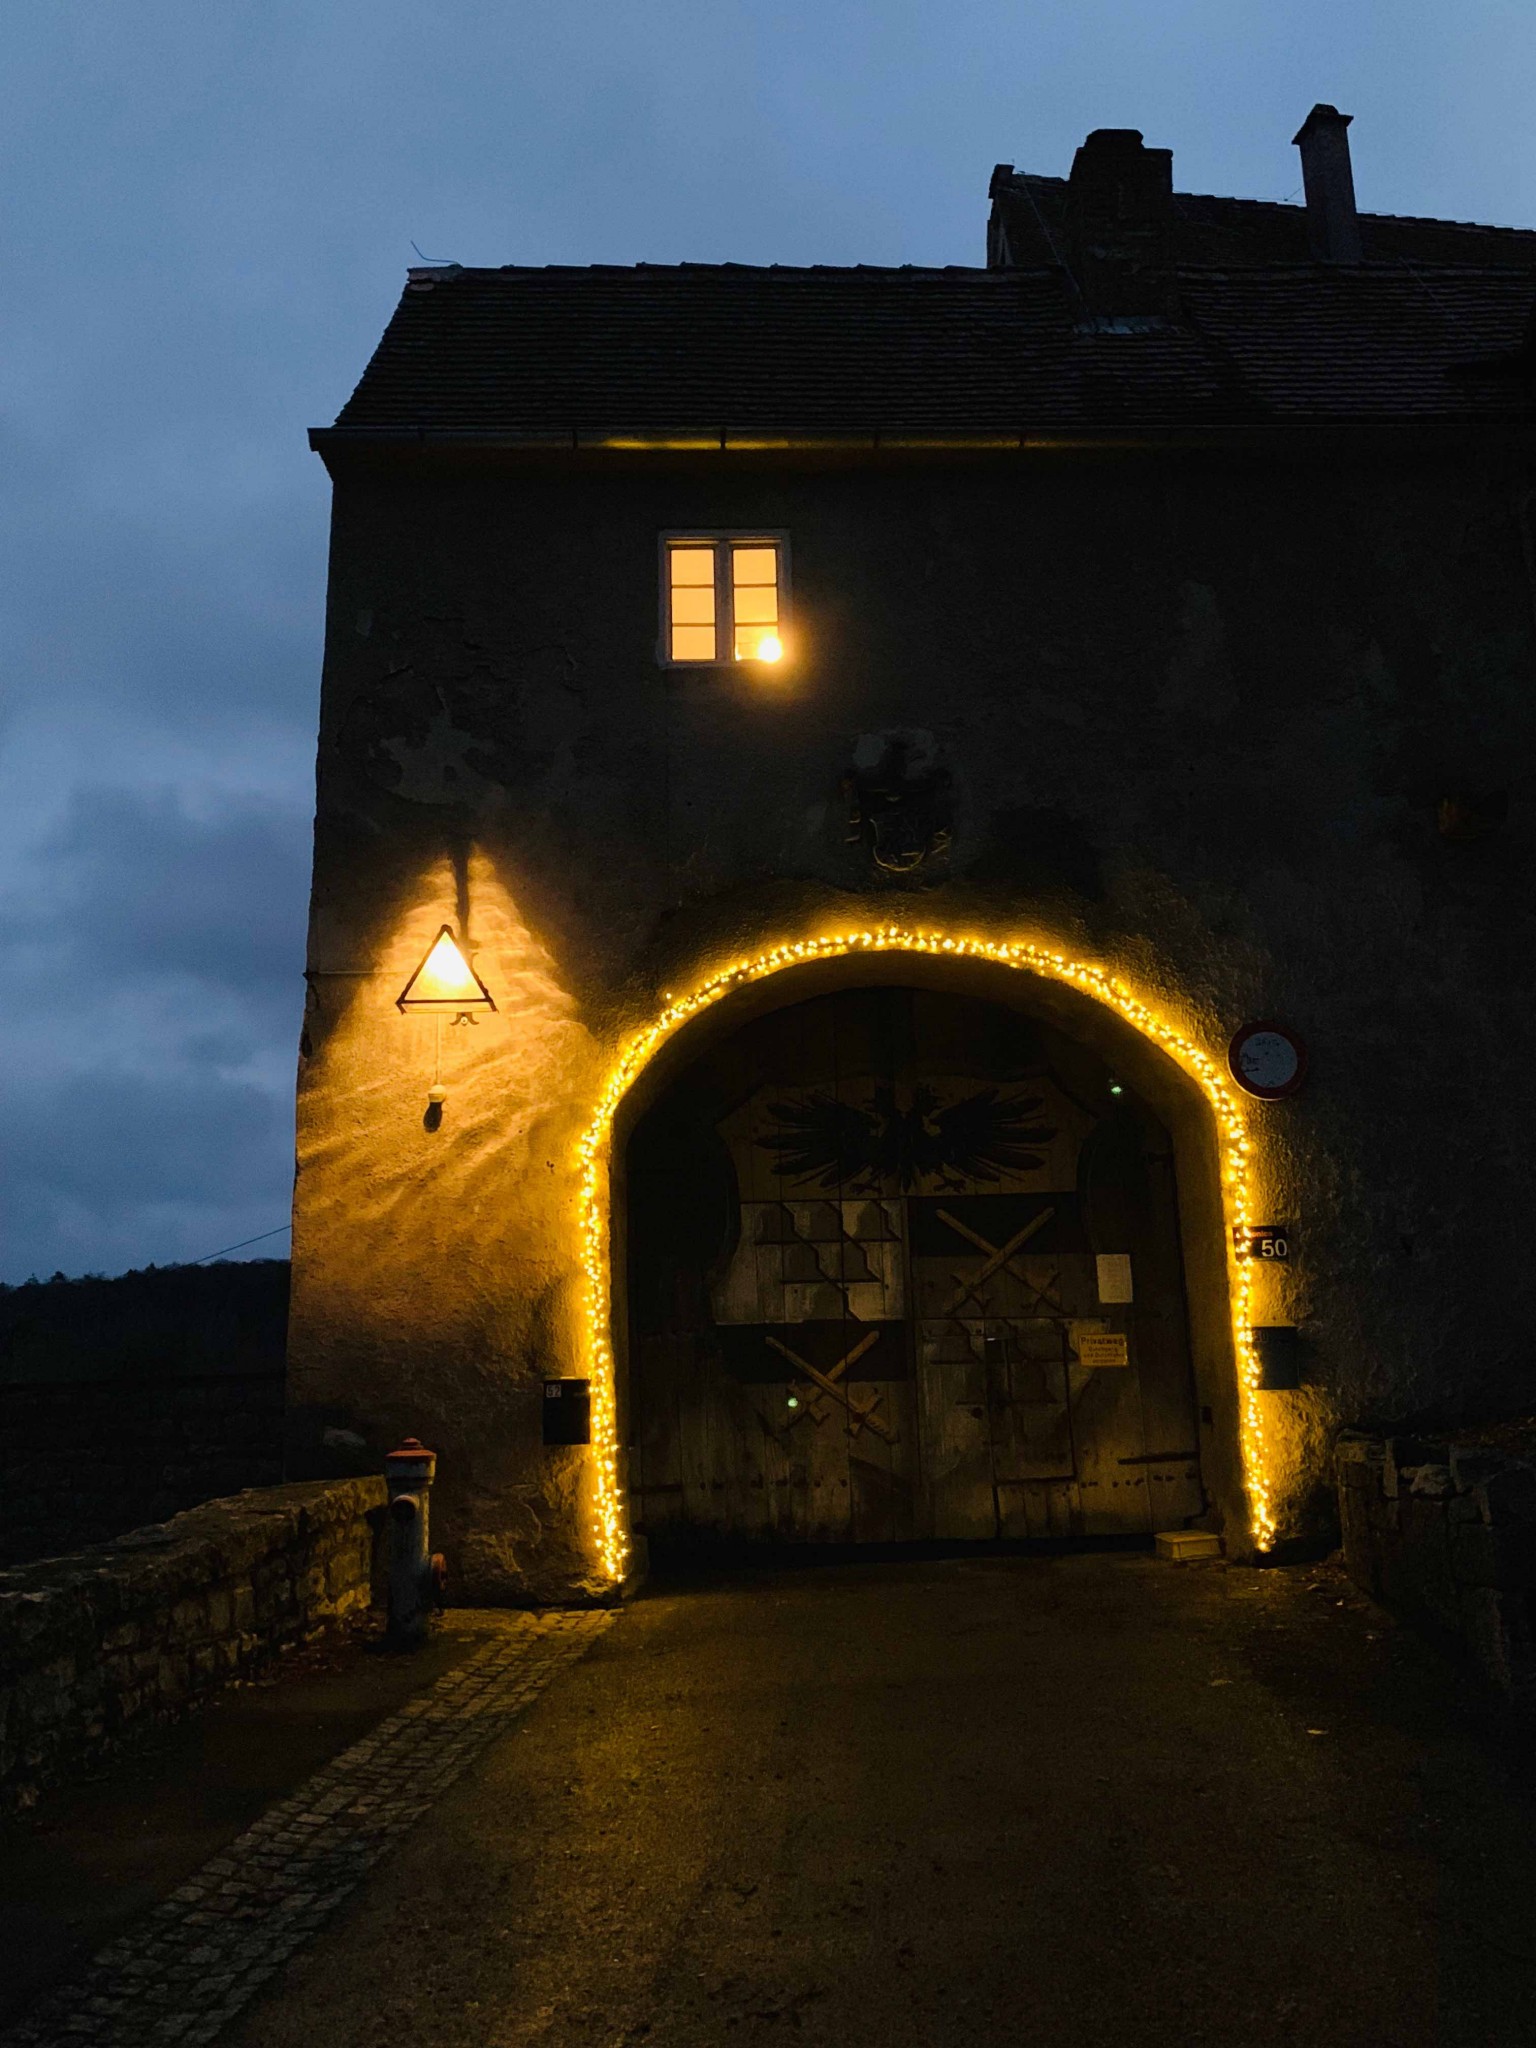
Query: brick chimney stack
1118, 217
1333, 226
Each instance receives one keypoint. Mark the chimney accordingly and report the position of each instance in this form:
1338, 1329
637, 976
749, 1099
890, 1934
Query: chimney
999, 251
1118, 219
1333, 226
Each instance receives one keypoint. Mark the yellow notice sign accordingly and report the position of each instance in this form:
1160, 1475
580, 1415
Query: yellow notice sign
1102, 1347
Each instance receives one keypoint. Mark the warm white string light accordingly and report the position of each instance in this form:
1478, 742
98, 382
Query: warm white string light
1236, 1153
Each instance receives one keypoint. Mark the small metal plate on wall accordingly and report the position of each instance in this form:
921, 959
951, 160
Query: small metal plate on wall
1263, 1240
567, 1406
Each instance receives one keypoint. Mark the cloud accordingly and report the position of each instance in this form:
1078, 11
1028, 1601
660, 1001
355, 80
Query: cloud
150, 960
192, 597
108, 1169
116, 1142
132, 885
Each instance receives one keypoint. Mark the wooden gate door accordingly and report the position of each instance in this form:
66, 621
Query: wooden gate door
904, 1266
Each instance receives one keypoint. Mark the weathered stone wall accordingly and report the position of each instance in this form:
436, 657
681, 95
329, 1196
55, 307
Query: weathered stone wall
84, 1460
1197, 718
1444, 1535
96, 1646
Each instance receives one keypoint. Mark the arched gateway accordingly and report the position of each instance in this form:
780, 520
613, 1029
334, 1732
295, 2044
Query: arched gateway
904, 1264
923, 1250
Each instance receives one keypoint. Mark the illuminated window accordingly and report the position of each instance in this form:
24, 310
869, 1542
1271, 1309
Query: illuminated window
722, 598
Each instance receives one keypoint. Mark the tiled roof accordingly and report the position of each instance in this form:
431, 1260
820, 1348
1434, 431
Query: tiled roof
1208, 230
724, 349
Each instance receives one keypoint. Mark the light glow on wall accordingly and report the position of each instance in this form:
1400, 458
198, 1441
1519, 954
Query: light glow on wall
597, 1306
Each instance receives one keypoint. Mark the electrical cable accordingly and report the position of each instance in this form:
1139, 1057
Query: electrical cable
240, 1247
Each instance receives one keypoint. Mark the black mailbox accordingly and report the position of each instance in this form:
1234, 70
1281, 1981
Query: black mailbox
567, 1411
1279, 1351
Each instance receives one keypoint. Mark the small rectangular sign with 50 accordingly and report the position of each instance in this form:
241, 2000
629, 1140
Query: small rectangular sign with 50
1263, 1240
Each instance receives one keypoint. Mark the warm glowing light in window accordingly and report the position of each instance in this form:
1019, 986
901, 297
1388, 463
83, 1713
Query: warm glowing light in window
691, 603
694, 565
755, 604
1235, 1148
723, 593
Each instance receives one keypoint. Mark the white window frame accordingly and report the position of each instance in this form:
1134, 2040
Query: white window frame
722, 540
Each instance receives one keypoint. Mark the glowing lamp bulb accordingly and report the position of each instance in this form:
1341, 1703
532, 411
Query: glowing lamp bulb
770, 647
445, 980
444, 974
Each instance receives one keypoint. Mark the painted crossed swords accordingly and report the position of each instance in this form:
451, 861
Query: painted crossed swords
828, 1381
998, 1256
861, 1407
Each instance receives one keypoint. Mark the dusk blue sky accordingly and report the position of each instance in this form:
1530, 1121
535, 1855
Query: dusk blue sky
208, 215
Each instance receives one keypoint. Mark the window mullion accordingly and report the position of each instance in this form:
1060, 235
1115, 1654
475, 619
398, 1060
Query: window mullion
725, 613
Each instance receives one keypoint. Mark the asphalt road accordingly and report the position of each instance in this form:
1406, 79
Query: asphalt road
1081, 1800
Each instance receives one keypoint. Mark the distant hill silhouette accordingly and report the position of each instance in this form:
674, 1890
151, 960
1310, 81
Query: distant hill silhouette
164, 1322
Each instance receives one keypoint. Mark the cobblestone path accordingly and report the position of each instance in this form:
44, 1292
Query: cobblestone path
183, 1972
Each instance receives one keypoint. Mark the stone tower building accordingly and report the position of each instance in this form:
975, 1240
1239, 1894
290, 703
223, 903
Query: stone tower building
886, 839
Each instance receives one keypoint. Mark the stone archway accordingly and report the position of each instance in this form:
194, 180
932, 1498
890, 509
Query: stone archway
1180, 1082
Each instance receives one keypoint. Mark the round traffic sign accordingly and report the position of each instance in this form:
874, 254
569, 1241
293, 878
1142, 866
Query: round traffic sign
1267, 1060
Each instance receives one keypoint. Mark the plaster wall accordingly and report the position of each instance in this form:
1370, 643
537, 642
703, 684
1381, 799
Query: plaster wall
1192, 721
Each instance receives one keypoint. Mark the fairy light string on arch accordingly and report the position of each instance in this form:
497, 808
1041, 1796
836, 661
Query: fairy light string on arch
1236, 1155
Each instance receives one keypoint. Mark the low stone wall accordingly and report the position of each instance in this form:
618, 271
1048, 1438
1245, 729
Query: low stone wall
1443, 1534
96, 1646
83, 1460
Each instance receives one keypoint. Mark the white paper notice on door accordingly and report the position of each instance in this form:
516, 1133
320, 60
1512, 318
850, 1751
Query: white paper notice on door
1115, 1276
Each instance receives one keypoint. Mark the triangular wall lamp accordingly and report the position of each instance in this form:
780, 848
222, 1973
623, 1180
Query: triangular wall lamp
445, 981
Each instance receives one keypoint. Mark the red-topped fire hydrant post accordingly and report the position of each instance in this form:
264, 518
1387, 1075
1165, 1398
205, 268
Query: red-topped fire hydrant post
415, 1575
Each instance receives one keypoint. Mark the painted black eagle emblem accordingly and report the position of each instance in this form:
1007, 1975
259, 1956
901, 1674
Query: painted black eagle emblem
861, 1147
